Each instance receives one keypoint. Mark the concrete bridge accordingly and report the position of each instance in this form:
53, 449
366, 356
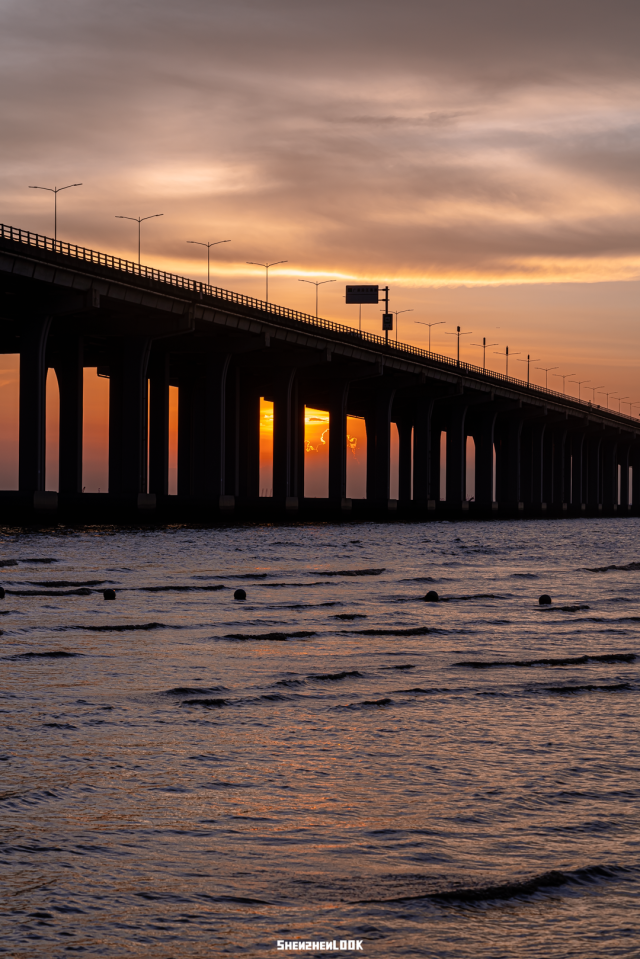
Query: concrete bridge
537, 452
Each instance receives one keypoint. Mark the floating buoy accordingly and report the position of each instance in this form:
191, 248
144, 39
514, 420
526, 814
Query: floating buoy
1, 592
432, 597
545, 600
109, 594
239, 594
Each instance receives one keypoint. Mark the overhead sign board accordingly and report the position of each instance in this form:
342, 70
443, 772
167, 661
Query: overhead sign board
387, 321
362, 294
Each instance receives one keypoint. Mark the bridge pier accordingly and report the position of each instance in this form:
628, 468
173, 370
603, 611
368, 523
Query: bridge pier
456, 456
378, 425
128, 416
422, 443
208, 438
609, 474
288, 440
159, 423
33, 378
337, 403
405, 430
68, 366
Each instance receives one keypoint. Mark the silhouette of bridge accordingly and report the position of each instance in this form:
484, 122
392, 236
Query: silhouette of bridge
537, 452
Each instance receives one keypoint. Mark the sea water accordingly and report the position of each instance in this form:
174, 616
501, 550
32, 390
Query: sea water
185, 774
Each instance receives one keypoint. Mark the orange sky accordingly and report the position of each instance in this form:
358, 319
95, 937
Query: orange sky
483, 159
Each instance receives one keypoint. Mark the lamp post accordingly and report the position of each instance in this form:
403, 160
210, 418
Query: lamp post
631, 405
506, 354
546, 370
563, 377
397, 314
422, 323
266, 267
620, 399
579, 382
139, 220
593, 393
55, 190
611, 393
484, 346
316, 283
458, 334
528, 361
208, 246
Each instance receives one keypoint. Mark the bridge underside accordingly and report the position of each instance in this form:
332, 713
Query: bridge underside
536, 453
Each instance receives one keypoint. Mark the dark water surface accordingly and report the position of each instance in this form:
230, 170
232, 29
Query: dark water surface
184, 775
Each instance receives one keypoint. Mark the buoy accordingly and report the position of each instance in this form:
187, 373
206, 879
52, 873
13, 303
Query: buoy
239, 594
109, 594
431, 597
1, 592
545, 600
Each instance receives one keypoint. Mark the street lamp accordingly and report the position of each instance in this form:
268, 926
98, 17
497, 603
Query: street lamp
139, 220
631, 405
546, 370
208, 246
422, 323
484, 346
458, 334
506, 354
55, 190
266, 266
620, 399
397, 313
563, 377
580, 382
611, 393
593, 392
528, 361
316, 283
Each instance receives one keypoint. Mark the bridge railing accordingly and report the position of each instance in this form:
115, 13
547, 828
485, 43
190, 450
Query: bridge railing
195, 286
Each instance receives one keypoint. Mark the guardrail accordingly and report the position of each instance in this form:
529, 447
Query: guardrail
195, 286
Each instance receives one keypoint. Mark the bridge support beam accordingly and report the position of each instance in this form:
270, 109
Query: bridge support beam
623, 460
248, 437
159, 423
484, 437
338, 442
378, 424
609, 473
456, 457
208, 443
405, 429
128, 417
422, 491
69, 371
33, 398
288, 441
577, 469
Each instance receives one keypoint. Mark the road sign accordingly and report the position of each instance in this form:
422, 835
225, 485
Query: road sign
362, 294
387, 321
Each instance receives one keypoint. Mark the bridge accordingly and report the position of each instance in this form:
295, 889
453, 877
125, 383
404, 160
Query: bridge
537, 452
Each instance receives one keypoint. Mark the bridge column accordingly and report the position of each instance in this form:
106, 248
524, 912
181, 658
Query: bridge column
456, 457
208, 425
609, 473
159, 423
248, 436
378, 424
593, 493
128, 417
422, 480
338, 441
185, 427
69, 371
288, 423
537, 464
577, 472
634, 461
560, 480
623, 459
484, 436
405, 428
33, 378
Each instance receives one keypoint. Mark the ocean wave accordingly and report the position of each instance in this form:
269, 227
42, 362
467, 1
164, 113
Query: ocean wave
82, 591
605, 569
368, 704
549, 661
591, 688
349, 572
334, 677
49, 654
178, 589
193, 690
272, 637
205, 703
411, 631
